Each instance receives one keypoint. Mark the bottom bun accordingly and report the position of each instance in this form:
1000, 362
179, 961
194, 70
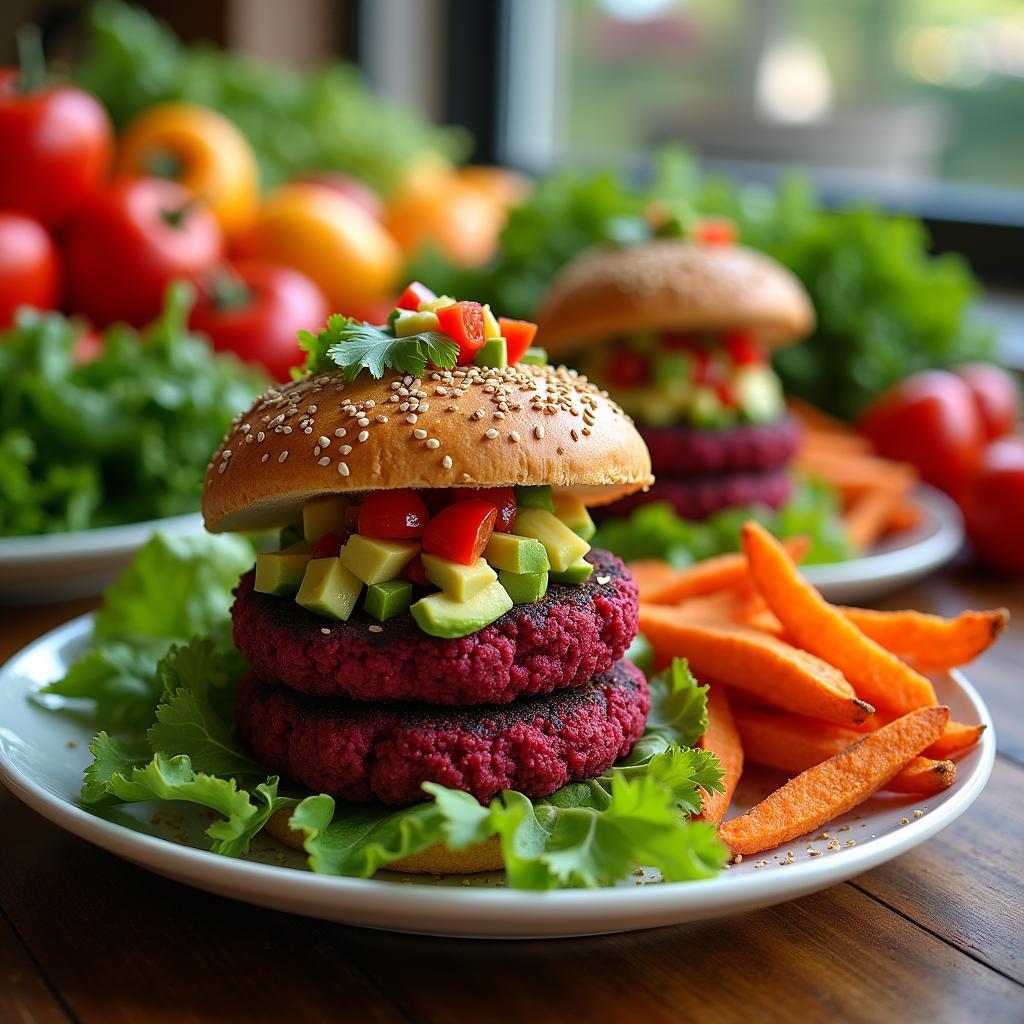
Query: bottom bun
435, 860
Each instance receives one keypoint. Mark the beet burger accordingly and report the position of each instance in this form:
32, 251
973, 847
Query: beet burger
680, 332
434, 613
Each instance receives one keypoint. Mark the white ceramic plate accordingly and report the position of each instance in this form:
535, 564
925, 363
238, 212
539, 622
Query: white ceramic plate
62, 566
43, 752
899, 560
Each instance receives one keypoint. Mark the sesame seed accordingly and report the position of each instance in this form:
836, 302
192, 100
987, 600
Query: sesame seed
282, 456
226, 454
918, 814
261, 437
447, 462
345, 449
376, 629
325, 461
419, 433
491, 434
363, 421
370, 403
603, 580
311, 409
222, 467
515, 436
325, 631
381, 418
325, 442
538, 432
432, 443
343, 468
904, 821
340, 432
479, 414
411, 418
266, 455
248, 438
363, 435
317, 450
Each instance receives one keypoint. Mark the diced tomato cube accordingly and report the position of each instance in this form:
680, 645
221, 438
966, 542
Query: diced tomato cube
392, 514
463, 322
414, 294
461, 531
518, 335
503, 499
328, 546
743, 348
628, 369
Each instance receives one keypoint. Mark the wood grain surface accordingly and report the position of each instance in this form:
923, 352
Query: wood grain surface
937, 935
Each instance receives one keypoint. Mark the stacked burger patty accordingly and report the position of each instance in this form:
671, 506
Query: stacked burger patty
539, 698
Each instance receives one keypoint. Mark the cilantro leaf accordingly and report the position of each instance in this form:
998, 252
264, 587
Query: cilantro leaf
355, 346
111, 757
679, 711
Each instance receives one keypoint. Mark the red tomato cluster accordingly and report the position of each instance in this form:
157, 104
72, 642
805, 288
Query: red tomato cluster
957, 428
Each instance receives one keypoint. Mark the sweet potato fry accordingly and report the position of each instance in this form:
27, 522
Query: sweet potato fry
835, 786
931, 642
712, 574
955, 737
853, 475
905, 516
793, 744
769, 669
815, 419
877, 675
722, 739
868, 515
831, 441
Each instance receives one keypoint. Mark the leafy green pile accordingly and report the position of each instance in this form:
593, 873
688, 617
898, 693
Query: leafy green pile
181, 691
295, 122
655, 531
121, 439
885, 306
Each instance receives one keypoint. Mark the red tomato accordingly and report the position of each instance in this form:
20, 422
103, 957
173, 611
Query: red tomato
743, 348
256, 311
392, 514
715, 231
414, 294
461, 531
995, 395
127, 244
435, 498
29, 269
503, 499
518, 335
994, 506
929, 420
464, 322
628, 369
56, 145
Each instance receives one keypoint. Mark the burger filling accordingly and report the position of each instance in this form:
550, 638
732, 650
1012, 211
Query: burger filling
454, 559
699, 379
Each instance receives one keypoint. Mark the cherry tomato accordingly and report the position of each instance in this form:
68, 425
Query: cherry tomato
743, 348
464, 322
726, 394
415, 573
627, 369
995, 394
461, 531
929, 420
994, 506
414, 294
29, 268
503, 499
392, 514
518, 335
56, 145
327, 546
126, 245
715, 231
255, 310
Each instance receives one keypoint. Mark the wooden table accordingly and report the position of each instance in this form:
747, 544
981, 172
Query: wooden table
935, 936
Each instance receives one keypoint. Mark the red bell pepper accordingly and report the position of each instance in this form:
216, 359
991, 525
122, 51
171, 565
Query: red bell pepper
628, 370
461, 531
518, 335
463, 322
327, 546
715, 231
414, 294
743, 348
392, 514
503, 499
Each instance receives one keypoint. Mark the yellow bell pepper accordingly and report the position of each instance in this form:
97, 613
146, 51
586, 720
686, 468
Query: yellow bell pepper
199, 148
331, 239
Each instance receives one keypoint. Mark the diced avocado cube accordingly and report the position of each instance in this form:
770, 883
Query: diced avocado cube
323, 515
535, 497
578, 572
706, 409
574, 514
534, 356
441, 615
432, 305
280, 572
562, 545
517, 554
290, 535
460, 581
386, 600
493, 352
491, 328
329, 589
524, 587
409, 322
759, 393
673, 366
374, 560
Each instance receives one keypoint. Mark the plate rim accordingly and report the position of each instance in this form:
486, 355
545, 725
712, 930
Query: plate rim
305, 889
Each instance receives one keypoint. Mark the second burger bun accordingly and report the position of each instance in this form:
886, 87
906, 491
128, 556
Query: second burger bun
465, 427
673, 285
435, 860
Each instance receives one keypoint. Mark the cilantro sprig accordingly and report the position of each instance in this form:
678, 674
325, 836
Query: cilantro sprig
355, 346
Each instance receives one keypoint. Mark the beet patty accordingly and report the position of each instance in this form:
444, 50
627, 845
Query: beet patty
749, 448
360, 752
563, 640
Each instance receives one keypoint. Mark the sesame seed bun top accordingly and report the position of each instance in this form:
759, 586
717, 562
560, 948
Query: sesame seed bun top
672, 285
465, 427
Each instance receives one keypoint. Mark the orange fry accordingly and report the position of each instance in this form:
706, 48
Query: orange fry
722, 739
955, 738
814, 419
905, 516
877, 675
868, 516
835, 786
855, 474
793, 744
762, 665
931, 642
